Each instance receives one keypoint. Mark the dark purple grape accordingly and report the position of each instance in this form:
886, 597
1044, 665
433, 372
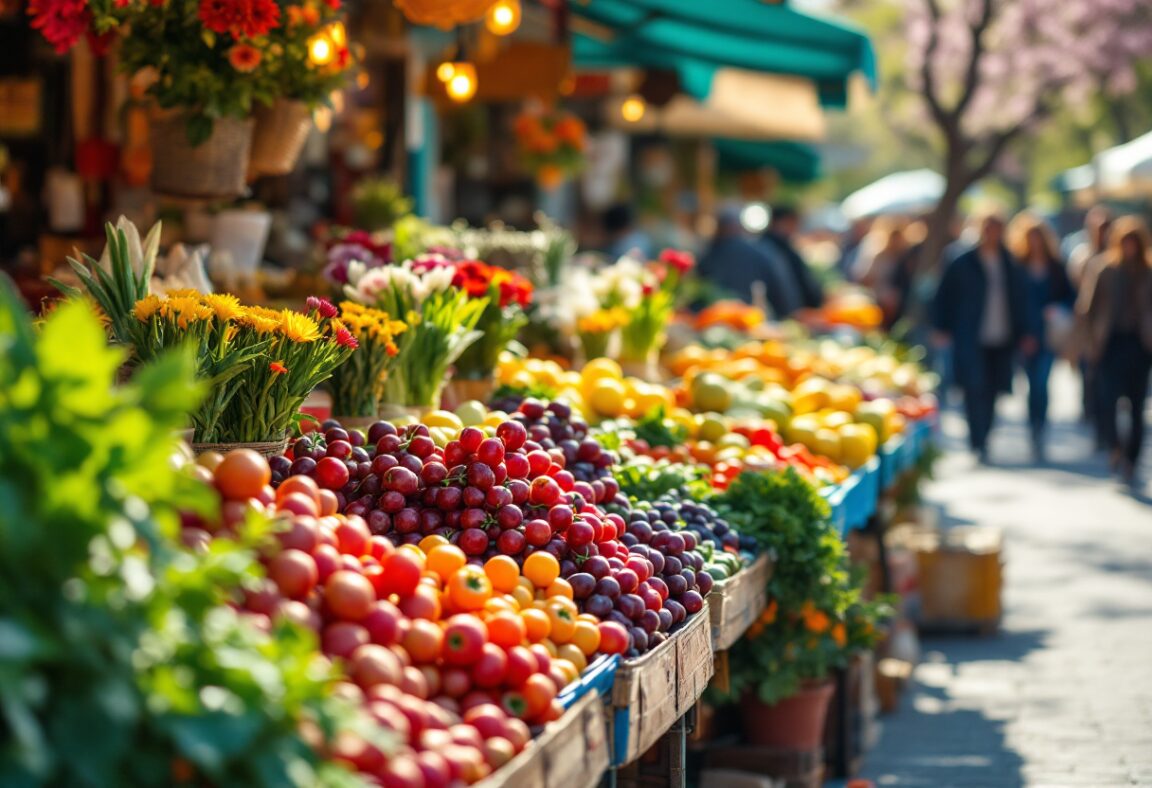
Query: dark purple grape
303, 466
598, 605
582, 584
607, 586
649, 621
692, 602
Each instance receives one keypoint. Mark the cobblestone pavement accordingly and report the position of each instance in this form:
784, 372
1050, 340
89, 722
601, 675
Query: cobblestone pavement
1063, 695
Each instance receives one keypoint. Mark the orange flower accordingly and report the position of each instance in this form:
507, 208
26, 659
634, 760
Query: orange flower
839, 634
278, 368
815, 620
570, 129
769, 614
244, 57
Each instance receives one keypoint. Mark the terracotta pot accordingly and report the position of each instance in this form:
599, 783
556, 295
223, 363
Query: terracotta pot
278, 137
214, 169
459, 391
795, 723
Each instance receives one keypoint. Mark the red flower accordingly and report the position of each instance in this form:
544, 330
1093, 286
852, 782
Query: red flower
681, 261
513, 288
321, 305
474, 277
278, 368
333, 4
61, 22
244, 57
344, 338
241, 18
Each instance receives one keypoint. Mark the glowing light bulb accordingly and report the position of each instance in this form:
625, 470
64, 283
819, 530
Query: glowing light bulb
445, 71
503, 18
632, 109
462, 86
320, 50
337, 33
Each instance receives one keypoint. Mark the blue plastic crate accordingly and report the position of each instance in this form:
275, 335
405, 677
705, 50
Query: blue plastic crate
854, 500
597, 677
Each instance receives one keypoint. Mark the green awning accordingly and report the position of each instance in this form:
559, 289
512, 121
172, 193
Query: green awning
696, 39
794, 161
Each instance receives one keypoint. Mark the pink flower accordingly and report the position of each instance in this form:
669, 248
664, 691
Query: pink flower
323, 306
344, 338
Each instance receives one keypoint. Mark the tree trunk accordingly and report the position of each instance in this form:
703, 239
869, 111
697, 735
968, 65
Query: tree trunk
939, 226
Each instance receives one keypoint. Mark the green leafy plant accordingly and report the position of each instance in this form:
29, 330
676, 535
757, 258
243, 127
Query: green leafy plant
816, 618
125, 659
378, 203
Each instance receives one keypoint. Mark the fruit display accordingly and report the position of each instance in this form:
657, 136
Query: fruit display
531, 489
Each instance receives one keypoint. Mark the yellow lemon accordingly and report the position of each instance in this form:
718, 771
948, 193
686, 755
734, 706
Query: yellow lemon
443, 418
471, 413
607, 397
711, 427
599, 368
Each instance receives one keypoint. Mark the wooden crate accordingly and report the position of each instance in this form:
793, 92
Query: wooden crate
735, 603
961, 574
571, 752
653, 691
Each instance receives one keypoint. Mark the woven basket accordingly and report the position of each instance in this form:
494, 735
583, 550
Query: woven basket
278, 137
266, 448
214, 169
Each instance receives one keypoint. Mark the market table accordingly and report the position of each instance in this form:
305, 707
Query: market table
855, 500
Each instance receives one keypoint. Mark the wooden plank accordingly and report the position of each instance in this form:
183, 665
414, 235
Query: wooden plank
737, 602
643, 701
694, 661
571, 752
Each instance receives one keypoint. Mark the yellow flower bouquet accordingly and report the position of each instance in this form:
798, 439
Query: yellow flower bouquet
357, 385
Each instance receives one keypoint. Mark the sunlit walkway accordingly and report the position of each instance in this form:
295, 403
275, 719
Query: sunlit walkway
1064, 695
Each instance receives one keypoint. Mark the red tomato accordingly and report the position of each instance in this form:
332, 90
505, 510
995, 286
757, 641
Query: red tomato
538, 694
371, 664
488, 719
401, 573
294, 573
349, 595
455, 682
424, 602
301, 484
490, 669
242, 474
464, 639
613, 638
342, 638
383, 623
521, 664
352, 536
423, 641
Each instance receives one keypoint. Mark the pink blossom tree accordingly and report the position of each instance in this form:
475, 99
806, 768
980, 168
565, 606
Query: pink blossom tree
991, 72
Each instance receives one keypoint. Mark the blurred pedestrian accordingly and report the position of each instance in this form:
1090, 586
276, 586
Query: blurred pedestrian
622, 236
850, 245
979, 312
1116, 302
876, 264
744, 268
780, 238
1086, 258
1048, 302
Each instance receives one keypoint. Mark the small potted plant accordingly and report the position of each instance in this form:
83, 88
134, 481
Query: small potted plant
816, 619
378, 203
597, 330
507, 296
357, 385
441, 319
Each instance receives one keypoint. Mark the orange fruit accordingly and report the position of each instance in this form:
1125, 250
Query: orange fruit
563, 622
445, 559
586, 637
542, 569
572, 654
522, 596
499, 604
559, 587
550, 647
430, 541
469, 588
503, 572
536, 623
507, 629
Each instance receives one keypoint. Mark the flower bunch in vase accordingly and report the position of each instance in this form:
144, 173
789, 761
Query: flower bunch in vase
357, 246
357, 386
441, 321
597, 330
507, 295
260, 363
551, 144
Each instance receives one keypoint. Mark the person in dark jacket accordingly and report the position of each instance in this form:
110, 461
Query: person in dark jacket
744, 268
1116, 304
783, 225
979, 312
1048, 302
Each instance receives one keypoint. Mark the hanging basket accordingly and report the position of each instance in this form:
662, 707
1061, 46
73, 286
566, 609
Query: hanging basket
214, 169
266, 448
278, 137
444, 14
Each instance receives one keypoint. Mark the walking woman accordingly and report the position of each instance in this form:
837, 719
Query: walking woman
1116, 303
1048, 302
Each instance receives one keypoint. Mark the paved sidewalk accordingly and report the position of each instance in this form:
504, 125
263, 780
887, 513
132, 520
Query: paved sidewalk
1063, 696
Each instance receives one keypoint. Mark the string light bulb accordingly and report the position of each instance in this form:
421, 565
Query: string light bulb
445, 70
321, 50
503, 18
461, 87
632, 109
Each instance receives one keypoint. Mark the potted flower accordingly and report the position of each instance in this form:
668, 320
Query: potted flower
597, 330
816, 618
378, 203
441, 319
311, 59
506, 295
209, 65
357, 385
551, 144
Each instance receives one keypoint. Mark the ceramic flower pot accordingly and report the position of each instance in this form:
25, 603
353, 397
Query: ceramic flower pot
214, 169
795, 723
